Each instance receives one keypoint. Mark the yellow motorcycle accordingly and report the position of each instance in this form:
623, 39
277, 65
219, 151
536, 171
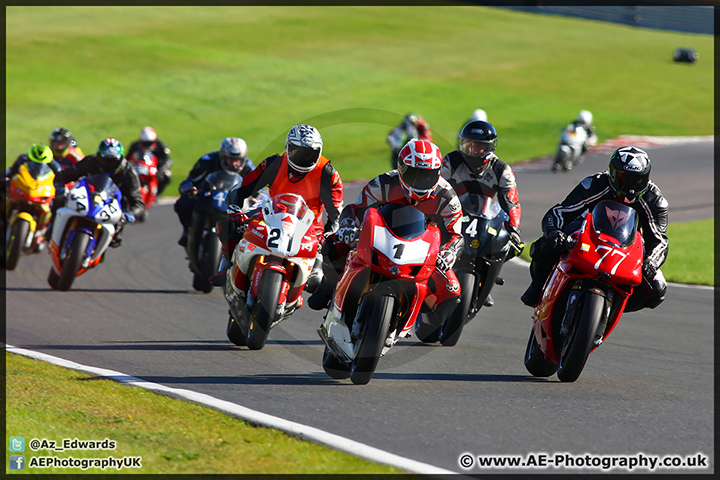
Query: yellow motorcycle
28, 212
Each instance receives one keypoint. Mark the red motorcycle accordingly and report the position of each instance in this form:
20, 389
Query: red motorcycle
269, 268
145, 163
380, 292
585, 296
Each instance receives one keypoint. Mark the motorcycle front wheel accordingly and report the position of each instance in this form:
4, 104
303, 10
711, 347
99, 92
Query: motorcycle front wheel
73, 261
18, 234
376, 327
453, 326
579, 342
265, 309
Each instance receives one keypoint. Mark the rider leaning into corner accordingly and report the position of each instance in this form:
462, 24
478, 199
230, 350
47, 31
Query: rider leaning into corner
109, 160
303, 170
475, 169
231, 157
416, 182
627, 180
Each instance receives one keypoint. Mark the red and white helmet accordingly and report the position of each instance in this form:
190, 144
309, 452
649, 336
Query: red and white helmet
148, 135
419, 164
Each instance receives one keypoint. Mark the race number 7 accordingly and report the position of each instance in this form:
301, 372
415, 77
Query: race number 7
612, 251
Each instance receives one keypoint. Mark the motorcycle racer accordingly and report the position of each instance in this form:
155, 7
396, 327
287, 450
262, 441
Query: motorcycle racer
65, 148
302, 169
412, 127
416, 182
475, 169
110, 160
231, 156
149, 141
627, 180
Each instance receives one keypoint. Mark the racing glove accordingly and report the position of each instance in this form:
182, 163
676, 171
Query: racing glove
445, 260
187, 189
348, 231
556, 240
238, 219
129, 217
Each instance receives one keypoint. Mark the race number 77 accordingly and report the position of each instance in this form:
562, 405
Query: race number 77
612, 251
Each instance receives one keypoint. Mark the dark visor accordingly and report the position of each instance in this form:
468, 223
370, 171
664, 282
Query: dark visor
303, 156
419, 178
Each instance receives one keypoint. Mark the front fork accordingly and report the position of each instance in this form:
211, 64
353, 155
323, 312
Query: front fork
573, 309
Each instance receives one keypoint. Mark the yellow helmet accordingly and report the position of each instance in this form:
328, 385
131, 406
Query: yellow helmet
40, 153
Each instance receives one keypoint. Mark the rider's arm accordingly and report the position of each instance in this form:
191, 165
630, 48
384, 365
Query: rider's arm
258, 178
370, 196
16, 165
508, 197
331, 196
131, 191
76, 170
450, 211
654, 229
587, 192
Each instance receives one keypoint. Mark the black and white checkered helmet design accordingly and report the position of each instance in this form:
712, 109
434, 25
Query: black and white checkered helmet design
303, 147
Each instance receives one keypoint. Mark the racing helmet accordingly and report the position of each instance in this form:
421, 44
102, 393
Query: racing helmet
419, 164
40, 153
479, 114
147, 136
110, 155
61, 140
629, 171
585, 117
233, 153
303, 147
476, 143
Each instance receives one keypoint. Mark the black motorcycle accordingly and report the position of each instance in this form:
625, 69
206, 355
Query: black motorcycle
487, 247
203, 247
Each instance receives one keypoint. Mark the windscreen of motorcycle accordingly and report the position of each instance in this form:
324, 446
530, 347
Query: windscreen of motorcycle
481, 205
615, 222
404, 221
39, 171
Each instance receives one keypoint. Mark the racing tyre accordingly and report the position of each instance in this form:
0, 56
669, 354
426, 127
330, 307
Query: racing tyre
375, 329
453, 326
535, 362
234, 333
18, 235
265, 309
211, 260
579, 341
425, 332
334, 367
73, 261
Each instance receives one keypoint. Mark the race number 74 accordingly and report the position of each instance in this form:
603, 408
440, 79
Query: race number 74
612, 252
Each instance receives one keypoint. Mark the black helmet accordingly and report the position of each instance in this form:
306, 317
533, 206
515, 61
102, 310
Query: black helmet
60, 140
629, 172
477, 140
110, 154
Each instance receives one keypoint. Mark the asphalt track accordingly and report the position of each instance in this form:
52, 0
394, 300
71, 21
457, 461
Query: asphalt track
647, 391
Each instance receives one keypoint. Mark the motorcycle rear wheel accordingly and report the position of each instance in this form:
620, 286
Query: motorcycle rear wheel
376, 327
73, 261
579, 342
265, 309
535, 361
453, 326
334, 367
18, 234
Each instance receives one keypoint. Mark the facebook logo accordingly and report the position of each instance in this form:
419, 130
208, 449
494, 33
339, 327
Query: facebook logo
17, 444
17, 462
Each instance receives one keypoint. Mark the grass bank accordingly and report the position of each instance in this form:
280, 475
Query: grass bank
45, 401
198, 74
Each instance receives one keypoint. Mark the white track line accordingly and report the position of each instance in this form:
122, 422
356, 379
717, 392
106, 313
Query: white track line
301, 431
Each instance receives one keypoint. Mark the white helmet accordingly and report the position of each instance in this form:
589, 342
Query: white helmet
148, 135
231, 150
303, 147
585, 117
479, 114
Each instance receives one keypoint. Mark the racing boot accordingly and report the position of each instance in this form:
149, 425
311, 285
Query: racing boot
183, 238
489, 301
315, 277
531, 295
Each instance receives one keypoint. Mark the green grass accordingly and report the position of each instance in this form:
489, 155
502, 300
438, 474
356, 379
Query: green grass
45, 401
198, 74
691, 258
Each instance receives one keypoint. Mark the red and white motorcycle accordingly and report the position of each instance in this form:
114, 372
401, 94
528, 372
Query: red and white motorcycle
269, 268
